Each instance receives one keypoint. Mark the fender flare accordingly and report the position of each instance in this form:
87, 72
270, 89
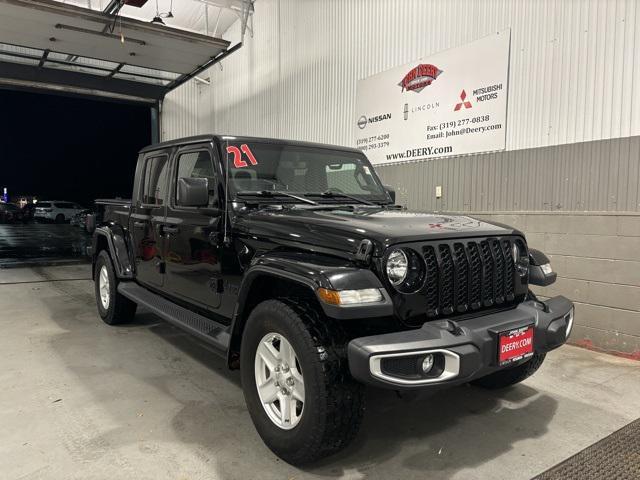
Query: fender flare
118, 247
311, 276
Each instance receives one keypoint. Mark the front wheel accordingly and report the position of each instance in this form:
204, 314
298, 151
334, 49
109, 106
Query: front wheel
296, 383
113, 307
513, 375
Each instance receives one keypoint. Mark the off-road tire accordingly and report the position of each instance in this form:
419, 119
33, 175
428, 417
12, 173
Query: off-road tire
120, 309
511, 376
334, 402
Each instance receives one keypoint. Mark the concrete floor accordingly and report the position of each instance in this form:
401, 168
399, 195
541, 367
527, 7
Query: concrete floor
81, 400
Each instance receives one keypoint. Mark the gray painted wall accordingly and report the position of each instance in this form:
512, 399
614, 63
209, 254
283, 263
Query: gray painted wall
578, 203
597, 257
598, 176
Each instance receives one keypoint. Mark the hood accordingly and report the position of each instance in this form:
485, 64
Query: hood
343, 229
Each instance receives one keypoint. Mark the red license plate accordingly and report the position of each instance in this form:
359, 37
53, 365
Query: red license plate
514, 345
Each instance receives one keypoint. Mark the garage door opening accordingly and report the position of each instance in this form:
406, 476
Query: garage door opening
59, 153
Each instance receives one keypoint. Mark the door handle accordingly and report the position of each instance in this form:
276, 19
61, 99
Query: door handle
170, 229
139, 224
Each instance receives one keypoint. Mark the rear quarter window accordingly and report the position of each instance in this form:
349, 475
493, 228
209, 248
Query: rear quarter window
154, 186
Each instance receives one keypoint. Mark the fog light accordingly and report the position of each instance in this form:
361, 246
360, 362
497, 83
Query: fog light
427, 364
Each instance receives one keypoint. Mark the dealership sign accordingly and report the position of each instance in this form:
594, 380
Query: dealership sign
451, 103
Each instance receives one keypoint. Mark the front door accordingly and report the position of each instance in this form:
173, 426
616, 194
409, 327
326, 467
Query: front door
147, 217
193, 234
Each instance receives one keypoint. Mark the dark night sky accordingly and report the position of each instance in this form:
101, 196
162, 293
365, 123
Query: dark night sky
68, 148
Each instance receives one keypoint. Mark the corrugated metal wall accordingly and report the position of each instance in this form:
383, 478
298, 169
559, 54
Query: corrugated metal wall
574, 74
598, 176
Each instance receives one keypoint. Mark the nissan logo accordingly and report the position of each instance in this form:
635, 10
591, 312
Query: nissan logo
362, 122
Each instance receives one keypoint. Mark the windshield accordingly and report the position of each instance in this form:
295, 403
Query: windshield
304, 171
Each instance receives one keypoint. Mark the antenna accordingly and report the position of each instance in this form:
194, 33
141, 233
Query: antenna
226, 238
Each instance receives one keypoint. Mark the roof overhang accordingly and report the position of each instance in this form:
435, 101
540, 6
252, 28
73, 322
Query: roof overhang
54, 46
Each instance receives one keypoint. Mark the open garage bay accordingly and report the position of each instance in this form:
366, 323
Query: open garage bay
42, 243
84, 400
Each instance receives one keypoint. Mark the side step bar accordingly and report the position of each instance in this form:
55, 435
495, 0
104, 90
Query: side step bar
210, 331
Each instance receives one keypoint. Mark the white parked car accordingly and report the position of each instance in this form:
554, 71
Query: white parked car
56, 210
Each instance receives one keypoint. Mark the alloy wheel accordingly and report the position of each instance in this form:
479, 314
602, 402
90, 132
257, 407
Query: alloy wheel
279, 381
103, 285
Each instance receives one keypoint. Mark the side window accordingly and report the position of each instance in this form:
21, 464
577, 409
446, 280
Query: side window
154, 188
198, 165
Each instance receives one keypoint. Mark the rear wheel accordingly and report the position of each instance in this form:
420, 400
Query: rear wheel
60, 218
296, 383
113, 307
513, 375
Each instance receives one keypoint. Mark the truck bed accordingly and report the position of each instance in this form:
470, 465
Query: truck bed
113, 209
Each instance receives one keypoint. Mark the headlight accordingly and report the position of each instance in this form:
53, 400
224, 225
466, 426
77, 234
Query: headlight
406, 270
515, 251
520, 258
397, 267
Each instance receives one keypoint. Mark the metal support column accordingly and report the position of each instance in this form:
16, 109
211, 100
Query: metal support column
155, 124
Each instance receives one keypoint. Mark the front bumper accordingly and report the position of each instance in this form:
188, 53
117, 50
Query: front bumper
467, 349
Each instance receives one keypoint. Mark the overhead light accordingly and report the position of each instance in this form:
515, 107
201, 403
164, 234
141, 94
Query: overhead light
170, 13
159, 16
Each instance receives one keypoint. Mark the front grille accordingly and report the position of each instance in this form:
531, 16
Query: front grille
469, 275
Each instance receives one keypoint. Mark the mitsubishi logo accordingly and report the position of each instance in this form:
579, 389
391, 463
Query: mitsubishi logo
466, 103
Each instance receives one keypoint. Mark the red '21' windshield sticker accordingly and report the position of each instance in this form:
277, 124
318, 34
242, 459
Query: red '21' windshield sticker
238, 162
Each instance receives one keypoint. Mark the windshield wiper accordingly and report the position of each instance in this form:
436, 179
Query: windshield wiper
274, 193
334, 194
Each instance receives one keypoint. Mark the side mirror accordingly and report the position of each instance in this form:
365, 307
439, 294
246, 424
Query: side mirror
193, 192
392, 193
540, 271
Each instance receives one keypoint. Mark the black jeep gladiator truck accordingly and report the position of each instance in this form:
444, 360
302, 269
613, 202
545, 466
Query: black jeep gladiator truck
292, 260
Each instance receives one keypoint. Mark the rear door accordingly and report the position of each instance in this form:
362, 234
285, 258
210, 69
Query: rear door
66, 209
148, 212
193, 236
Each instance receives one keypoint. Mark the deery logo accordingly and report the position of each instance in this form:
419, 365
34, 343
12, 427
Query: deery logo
419, 77
466, 103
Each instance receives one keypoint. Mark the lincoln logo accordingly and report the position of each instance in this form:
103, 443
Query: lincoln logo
419, 77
